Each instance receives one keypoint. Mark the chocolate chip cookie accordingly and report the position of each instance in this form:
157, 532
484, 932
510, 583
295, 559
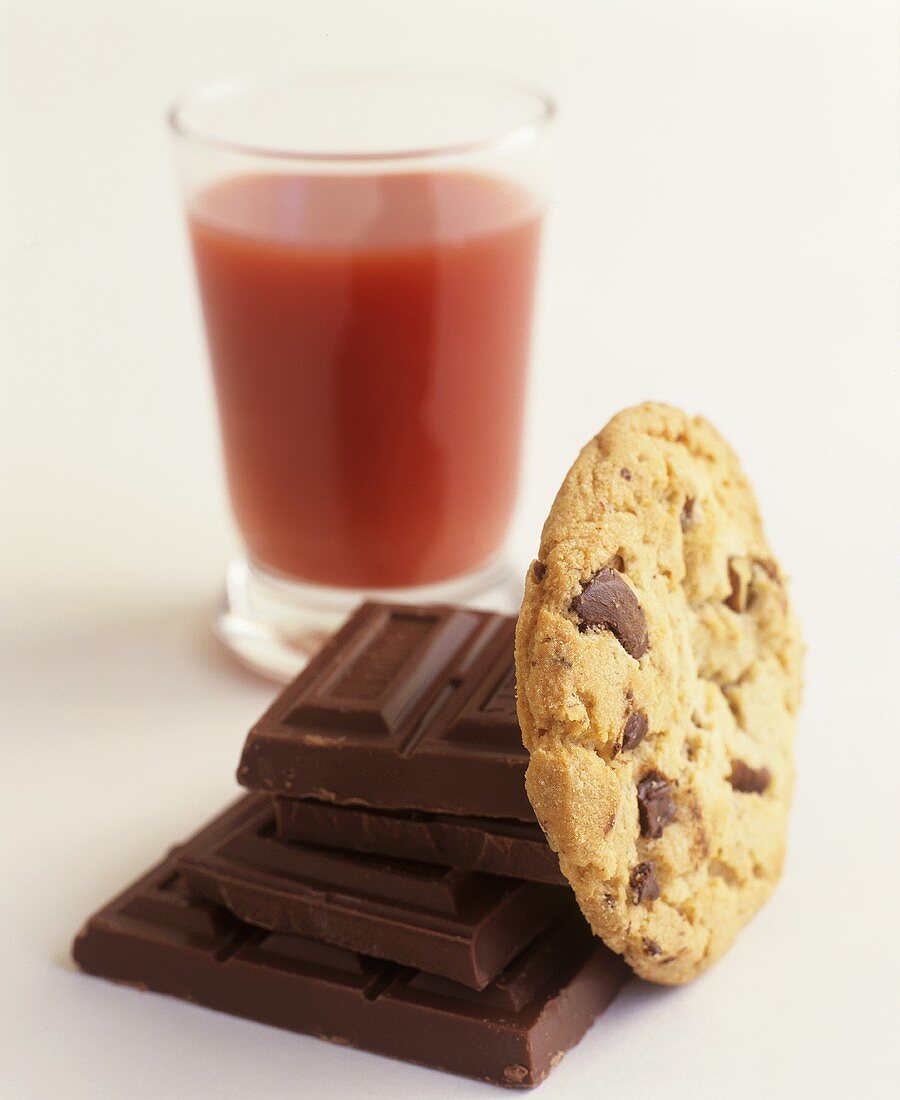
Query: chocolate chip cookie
658, 666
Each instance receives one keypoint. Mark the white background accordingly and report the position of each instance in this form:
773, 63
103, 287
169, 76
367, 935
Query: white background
725, 237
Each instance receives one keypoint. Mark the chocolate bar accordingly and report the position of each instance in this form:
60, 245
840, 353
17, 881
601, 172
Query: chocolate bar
405, 708
502, 847
463, 925
159, 936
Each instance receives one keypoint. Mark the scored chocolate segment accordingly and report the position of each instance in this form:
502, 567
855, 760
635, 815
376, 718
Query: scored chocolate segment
524, 978
462, 924
157, 935
405, 708
170, 904
517, 849
607, 602
488, 719
380, 681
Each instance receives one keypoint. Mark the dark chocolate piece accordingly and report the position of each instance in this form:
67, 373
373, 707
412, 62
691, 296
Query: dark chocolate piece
642, 881
405, 708
625, 473
157, 935
517, 849
539, 571
655, 805
635, 730
749, 780
462, 924
608, 602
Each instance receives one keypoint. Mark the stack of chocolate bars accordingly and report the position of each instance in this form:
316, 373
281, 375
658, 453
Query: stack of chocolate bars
386, 884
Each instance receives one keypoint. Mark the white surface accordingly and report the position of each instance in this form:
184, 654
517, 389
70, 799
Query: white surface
725, 237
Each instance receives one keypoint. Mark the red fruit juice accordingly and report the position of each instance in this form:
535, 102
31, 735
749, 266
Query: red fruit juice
369, 338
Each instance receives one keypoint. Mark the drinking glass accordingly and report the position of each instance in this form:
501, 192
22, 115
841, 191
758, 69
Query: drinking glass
366, 246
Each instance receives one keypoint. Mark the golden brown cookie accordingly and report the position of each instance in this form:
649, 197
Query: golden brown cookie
658, 666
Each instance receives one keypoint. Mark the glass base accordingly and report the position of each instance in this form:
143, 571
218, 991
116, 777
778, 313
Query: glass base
274, 625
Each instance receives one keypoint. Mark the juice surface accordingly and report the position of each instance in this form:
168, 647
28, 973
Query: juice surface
369, 339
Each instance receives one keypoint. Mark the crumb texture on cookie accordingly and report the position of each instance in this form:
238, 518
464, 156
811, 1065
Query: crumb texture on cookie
658, 667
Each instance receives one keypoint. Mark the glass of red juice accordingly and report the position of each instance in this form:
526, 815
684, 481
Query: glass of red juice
366, 246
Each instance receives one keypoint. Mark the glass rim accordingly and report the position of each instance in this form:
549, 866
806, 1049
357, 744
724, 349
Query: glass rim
218, 91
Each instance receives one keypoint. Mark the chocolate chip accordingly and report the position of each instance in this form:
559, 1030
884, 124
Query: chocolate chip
687, 513
642, 881
635, 730
626, 473
739, 576
655, 804
539, 571
608, 602
651, 947
749, 780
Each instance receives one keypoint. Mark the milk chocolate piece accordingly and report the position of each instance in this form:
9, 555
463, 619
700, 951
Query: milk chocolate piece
405, 708
655, 805
635, 730
608, 602
461, 924
642, 881
516, 849
749, 780
159, 936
